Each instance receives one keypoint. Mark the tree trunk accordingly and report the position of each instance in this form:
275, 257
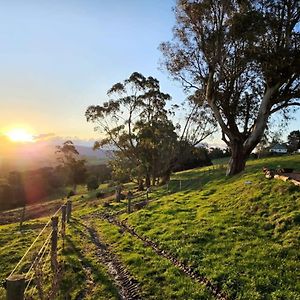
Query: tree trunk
165, 178
140, 184
153, 180
148, 181
118, 194
74, 188
237, 160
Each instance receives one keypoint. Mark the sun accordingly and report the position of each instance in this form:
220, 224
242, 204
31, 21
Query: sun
19, 135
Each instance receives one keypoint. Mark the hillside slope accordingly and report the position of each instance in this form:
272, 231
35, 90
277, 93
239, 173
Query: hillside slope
240, 232
215, 238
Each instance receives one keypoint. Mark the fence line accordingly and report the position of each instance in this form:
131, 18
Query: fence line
17, 285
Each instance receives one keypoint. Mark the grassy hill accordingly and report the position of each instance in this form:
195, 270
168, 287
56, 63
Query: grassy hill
240, 233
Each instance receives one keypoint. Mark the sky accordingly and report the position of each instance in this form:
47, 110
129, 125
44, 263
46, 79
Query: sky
59, 57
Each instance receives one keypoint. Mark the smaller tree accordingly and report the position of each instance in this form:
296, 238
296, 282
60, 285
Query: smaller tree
135, 122
18, 193
72, 165
5, 195
92, 183
216, 152
293, 140
191, 157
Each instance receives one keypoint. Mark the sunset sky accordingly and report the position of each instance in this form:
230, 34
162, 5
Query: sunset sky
58, 57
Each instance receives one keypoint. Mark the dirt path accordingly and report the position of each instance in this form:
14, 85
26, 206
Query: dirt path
127, 286
216, 291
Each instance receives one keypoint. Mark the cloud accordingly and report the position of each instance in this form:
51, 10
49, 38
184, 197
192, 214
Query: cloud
43, 136
53, 139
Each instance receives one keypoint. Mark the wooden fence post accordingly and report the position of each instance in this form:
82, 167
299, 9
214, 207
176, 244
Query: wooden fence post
129, 197
118, 193
63, 222
15, 287
54, 264
69, 210
129, 206
22, 216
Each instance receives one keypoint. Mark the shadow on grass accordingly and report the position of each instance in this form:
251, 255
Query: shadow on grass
75, 246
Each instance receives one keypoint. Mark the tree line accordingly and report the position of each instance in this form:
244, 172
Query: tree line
19, 189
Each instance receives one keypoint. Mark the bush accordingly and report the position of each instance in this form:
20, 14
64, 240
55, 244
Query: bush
92, 183
191, 157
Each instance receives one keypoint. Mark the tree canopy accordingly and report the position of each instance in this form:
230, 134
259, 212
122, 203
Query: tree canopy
242, 59
294, 140
73, 166
135, 122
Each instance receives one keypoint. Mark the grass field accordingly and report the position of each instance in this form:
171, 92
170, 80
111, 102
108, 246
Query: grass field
240, 232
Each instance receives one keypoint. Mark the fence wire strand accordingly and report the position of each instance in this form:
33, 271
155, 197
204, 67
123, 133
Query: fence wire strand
44, 247
33, 243
38, 259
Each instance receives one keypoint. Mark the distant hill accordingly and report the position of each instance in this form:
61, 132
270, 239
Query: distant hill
89, 152
35, 155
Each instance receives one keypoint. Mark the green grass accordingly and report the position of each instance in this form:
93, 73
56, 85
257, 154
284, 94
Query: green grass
220, 161
245, 237
14, 243
159, 279
82, 265
241, 232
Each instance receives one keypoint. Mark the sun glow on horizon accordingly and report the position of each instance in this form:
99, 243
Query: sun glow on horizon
19, 135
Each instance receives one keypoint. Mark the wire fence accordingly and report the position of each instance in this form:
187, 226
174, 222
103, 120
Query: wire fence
37, 274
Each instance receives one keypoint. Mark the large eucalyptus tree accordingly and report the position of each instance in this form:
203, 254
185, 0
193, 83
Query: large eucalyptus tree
242, 59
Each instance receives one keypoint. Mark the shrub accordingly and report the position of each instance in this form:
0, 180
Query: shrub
92, 183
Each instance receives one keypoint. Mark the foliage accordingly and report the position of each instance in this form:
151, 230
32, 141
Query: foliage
102, 172
216, 152
92, 183
71, 164
30, 187
71, 193
135, 122
199, 122
293, 140
123, 168
191, 157
241, 58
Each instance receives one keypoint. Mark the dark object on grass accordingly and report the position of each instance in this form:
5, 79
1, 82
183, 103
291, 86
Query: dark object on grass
285, 170
70, 194
99, 195
269, 173
106, 204
140, 205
